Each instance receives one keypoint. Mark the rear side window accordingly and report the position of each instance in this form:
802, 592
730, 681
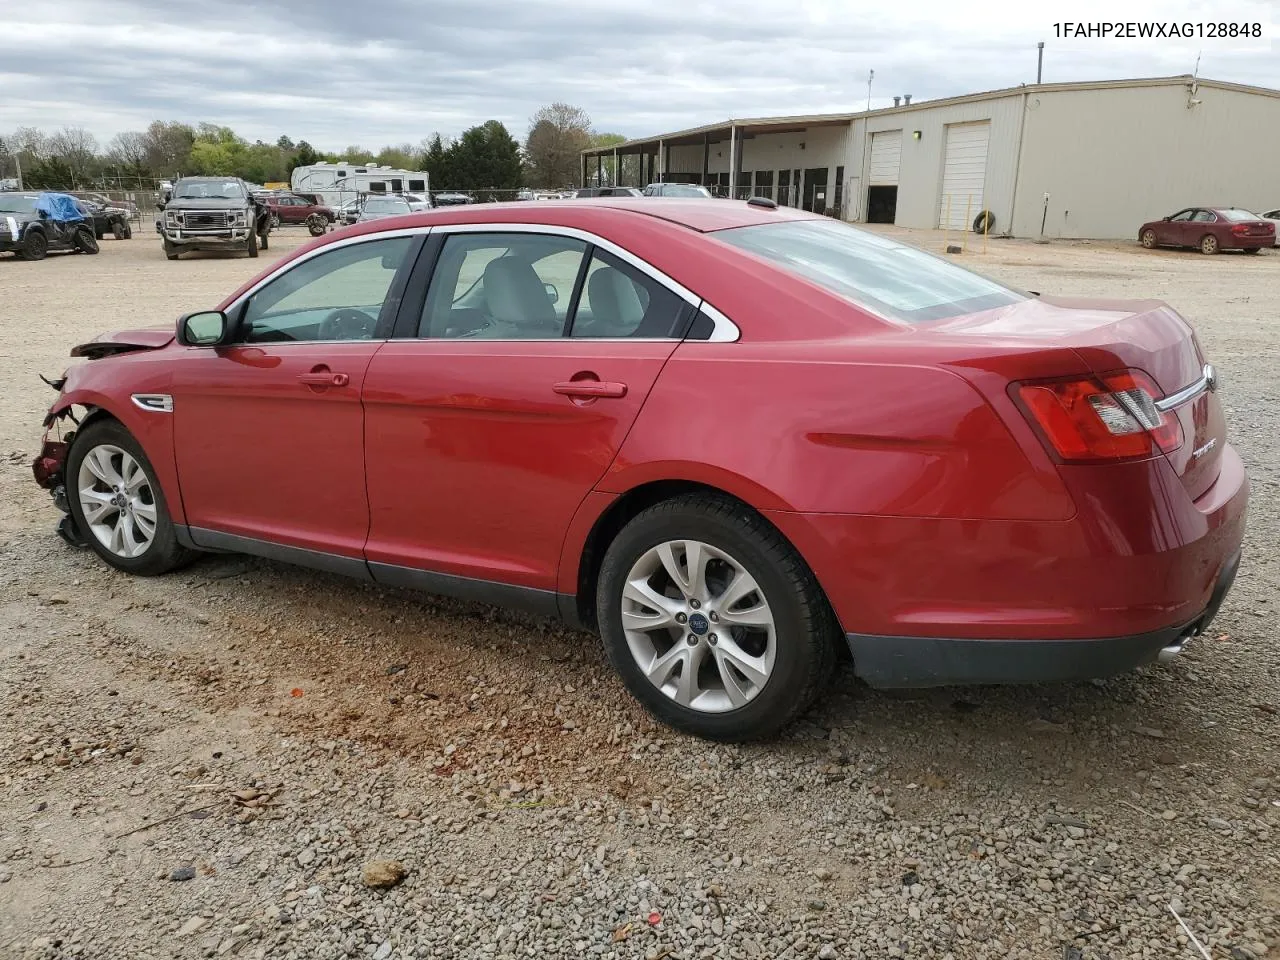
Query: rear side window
620, 301
884, 276
1239, 216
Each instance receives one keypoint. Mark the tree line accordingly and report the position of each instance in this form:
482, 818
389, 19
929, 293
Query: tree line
484, 157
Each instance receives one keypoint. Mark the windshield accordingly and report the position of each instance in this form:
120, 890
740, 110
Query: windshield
208, 189
1238, 216
882, 275
17, 203
385, 205
678, 190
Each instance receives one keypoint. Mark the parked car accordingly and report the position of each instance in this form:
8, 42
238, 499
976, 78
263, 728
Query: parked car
349, 210
33, 225
1210, 229
417, 202
691, 190
1274, 215
816, 436
376, 207
452, 199
288, 208
105, 219
609, 192
212, 213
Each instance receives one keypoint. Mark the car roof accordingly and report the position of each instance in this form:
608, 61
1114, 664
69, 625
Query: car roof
701, 215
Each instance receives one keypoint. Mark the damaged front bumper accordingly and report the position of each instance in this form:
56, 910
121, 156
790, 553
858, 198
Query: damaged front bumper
49, 469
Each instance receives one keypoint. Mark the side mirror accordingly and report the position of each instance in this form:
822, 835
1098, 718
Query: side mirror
1168, 218
205, 329
552, 292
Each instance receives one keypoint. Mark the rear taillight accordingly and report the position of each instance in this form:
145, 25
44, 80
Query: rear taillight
1107, 418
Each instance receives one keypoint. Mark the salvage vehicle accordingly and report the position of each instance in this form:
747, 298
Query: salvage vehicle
32, 225
287, 208
212, 213
735, 439
106, 219
1209, 230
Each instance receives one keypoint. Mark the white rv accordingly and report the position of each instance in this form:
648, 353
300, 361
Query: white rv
337, 183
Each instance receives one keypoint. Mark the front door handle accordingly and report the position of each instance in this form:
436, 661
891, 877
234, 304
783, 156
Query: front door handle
324, 378
592, 389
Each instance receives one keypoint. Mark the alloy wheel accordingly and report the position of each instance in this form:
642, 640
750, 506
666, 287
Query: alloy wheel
699, 626
118, 501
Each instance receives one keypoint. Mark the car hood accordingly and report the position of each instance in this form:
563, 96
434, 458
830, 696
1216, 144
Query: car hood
18, 218
206, 203
124, 341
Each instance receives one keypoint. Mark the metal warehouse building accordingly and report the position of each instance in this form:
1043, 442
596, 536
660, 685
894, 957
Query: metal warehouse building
1088, 160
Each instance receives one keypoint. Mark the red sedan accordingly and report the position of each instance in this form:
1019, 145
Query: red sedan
1210, 229
730, 437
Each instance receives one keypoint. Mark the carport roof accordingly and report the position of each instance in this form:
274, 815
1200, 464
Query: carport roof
716, 132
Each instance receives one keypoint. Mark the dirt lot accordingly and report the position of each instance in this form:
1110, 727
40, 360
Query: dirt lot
536, 809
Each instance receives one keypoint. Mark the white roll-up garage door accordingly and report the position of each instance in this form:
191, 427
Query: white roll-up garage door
886, 158
964, 172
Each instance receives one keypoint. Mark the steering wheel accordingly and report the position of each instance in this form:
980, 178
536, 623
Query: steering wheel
347, 323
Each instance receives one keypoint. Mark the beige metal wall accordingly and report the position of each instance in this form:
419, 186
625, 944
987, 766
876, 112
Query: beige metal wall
816, 147
1112, 159
920, 177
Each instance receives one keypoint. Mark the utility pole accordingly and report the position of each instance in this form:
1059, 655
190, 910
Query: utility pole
1039, 61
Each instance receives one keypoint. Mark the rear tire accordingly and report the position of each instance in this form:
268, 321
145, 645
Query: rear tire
262, 241
1208, 244
117, 230
785, 639
138, 537
128, 232
1148, 239
251, 245
35, 246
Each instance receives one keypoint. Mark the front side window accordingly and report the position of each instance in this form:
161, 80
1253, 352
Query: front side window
336, 295
882, 275
619, 301
1204, 216
502, 286
1182, 217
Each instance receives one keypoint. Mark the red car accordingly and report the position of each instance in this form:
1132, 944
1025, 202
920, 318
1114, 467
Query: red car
1210, 229
731, 437
287, 208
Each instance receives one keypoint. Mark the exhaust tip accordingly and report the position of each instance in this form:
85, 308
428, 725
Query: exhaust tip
1170, 652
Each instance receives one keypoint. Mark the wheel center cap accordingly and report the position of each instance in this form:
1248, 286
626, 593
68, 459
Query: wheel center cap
699, 624
120, 500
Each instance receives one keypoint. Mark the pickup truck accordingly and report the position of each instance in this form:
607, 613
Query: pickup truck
212, 213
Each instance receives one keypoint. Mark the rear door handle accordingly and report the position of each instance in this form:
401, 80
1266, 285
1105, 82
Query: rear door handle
324, 378
590, 388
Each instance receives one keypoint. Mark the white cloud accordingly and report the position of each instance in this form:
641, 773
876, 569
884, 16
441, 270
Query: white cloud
337, 72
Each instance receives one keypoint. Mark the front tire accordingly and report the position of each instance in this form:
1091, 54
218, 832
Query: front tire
712, 619
117, 230
85, 241
117, 503
1208, 244
251, 245
171, 251
1148, 239
35, 246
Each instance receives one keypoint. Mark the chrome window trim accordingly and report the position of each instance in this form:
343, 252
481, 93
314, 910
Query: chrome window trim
311, 254
723, 330
153, 402
1208, 382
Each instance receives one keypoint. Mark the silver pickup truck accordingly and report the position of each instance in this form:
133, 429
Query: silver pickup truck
212, 213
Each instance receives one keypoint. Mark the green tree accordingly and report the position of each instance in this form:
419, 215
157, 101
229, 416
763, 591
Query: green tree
169, 147
400, 156
305, 155
213, 159
485, 158
435, 160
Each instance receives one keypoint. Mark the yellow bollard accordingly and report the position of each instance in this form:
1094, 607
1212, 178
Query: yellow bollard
964, 231
986, 229
946, 226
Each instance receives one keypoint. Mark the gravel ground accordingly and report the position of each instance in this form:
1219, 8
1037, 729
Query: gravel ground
249, 760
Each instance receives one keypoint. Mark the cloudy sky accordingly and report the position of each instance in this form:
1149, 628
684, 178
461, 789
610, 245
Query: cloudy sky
372, 72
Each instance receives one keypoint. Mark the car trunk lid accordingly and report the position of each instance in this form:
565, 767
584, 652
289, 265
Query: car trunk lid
1113, 335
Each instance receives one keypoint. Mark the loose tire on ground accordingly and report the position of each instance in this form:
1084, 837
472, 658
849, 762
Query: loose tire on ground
110, 445
804, 630
984, 222
317, 225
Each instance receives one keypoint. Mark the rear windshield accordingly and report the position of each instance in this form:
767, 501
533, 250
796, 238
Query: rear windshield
1238, 216
882, 275
385, 205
